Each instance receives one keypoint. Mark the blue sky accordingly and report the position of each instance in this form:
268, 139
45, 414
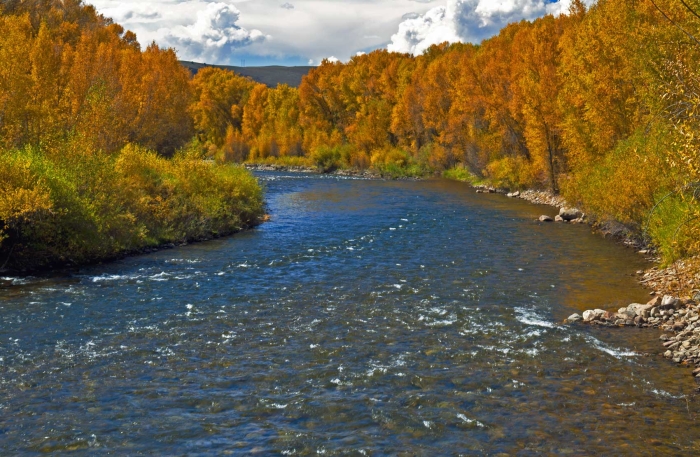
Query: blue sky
303, 32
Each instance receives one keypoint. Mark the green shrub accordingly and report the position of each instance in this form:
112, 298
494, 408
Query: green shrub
70, 205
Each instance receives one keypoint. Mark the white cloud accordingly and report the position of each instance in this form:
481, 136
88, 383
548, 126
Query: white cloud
271, 32
213, 37
467, 21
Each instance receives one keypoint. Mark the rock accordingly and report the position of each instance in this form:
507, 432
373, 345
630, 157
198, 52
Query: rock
513, 194
574, 318
696, 371
558, 218
591, 315
545, 219
668, 354
569, 214
636, 309
656, 301
668, 302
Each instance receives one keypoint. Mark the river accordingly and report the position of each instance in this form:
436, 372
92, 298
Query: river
366, 318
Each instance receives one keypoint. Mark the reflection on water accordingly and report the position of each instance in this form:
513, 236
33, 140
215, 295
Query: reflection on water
367, 318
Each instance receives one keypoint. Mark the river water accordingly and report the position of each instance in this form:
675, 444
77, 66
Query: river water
366, 318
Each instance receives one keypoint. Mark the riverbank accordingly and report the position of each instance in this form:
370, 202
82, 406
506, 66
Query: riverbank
368, 173
675, 289
65, 208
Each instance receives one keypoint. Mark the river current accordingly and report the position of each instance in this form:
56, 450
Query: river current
366, 318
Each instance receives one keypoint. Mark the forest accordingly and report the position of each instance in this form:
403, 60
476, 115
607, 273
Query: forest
106, 147
600, 105
96, 157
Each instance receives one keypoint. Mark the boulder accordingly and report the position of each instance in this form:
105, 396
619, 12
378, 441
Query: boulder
513, 194
636, 309
574, 318
546, 219
669, 302
593, 314
569, 214
558, 218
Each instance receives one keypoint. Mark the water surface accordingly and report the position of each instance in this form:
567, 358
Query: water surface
366, 318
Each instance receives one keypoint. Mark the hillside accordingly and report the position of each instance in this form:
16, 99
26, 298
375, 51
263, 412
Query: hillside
271, 76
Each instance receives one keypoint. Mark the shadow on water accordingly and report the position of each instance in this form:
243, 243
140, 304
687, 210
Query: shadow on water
367, 317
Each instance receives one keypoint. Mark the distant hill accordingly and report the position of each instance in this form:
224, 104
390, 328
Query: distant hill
270, 76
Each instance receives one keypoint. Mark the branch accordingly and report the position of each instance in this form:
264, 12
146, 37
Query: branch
690, 9
674, 23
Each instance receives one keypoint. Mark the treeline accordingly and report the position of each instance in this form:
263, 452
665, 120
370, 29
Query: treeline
87, 119
600, 104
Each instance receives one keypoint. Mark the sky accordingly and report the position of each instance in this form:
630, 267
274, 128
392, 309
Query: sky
304, 32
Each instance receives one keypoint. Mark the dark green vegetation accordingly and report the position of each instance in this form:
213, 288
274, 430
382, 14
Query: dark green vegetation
271, 75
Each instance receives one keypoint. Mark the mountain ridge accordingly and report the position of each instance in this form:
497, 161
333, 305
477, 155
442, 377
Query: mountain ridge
271, 75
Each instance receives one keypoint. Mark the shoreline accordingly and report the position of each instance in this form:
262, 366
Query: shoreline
349, 172
675, 289
8, 275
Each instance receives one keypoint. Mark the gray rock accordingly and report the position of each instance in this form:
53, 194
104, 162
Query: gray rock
569, 214
545, 219
558, 218
669, 302
668, 354
636, 309
591, 315
574, 318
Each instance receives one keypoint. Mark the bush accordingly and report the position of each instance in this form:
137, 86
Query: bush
331, 158
72, 206
511, 173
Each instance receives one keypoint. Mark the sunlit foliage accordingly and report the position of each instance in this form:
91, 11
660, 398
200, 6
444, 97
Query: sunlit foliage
87, 120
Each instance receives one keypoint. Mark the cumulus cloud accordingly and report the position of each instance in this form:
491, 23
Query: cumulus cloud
213, 37
287, 6
468, 21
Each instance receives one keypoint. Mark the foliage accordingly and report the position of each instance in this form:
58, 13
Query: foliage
74, 206
87, 120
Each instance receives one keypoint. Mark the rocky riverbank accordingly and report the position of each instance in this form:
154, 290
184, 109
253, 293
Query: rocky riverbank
367, 174
675, 306
678, 317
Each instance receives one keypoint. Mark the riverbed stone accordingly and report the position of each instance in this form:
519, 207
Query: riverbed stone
569, 214
574, 318
669, 302
593, 314
546, 219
